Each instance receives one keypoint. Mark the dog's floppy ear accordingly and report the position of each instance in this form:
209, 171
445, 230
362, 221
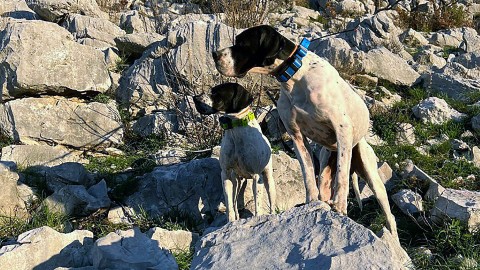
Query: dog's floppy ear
241, 99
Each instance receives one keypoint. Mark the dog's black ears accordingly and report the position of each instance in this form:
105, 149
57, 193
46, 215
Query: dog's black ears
241, 98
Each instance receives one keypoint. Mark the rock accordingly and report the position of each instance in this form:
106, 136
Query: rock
429, 58
33, 155
136, 43
173, 240
455, 81
16, 9
338, 53
130, 249
476, 156
45, 248
461, 150
8, 166
388, 66
463, 205
94, 28
413, 38
448, 38
120, 215
194, 188
468, 60
471, 41
62, 121
405, 134
436, 111
55, 10
69, 173
476, 123
15, 196
408, 201
373, 31
39, 57
76, 200
320, 243
160, 123
169, 157
134, 22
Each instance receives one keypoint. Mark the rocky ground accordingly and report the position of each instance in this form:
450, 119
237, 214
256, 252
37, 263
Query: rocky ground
106, 164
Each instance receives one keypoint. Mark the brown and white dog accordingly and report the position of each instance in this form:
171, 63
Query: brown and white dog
317, 103
245, 151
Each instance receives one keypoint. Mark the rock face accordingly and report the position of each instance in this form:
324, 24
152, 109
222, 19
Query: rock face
17, 9
436, 111
45, 155
463, 205
324, 240
54, 10
61, 121
85, 27
131, 249
39, 57
14, 196
57, 249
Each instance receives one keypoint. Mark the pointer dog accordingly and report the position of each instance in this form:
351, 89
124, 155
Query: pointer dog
245, 151
317, 103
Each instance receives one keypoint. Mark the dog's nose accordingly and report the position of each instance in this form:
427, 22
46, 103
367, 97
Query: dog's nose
215, 55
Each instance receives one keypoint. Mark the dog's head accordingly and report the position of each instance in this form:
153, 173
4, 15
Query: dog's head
258, 46
227, 97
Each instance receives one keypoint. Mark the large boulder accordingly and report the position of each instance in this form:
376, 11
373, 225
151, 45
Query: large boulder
14, 196
39, 57
45, 248
68, 173
44, 155
131, 250
16, 9
61, 121
136, 43
306, 237
55, 10
338, 53
85, 27
386, 65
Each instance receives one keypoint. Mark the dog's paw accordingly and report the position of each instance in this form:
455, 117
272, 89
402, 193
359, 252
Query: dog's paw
340, 208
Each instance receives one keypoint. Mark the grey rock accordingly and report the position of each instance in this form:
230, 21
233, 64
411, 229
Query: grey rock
160, 123
455, 81
94, 28
169, 156
463, 205
8, 166
292, 246
136, 43
68, 173
120, 215
476, 156
469, 60
134, 22
413, 38
62, 121
471, 41
39, 57
338, 52
15, 197
45, 248
429, 58
76, 200
448, 37
125, 250
173, 240
436, 111
45, 155
388, 66
408, 201
54, 10
16, 9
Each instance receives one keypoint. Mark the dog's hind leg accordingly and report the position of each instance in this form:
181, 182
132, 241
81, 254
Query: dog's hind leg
267, 175
258, 193
327, 169
356, 189
228, 192
365, 164
306, 165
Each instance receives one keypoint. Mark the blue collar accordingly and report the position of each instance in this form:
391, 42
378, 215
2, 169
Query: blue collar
290, 66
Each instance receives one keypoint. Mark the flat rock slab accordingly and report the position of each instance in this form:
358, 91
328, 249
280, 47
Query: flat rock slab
306, 237
463, 205
33, 155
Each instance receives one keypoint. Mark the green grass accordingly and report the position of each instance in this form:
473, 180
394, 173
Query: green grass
183, 258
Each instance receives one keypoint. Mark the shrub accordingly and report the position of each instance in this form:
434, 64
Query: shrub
242, 14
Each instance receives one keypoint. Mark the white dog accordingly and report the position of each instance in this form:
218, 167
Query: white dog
315, 102
245, 151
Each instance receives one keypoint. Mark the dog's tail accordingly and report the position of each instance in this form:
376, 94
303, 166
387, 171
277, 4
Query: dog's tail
356, 189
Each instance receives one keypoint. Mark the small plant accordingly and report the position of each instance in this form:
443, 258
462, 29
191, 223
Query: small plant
242, 14
102, 98
183, 258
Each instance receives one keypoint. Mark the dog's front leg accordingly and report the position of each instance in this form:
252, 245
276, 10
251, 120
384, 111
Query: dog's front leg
306, 164
344, 133
228, 192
